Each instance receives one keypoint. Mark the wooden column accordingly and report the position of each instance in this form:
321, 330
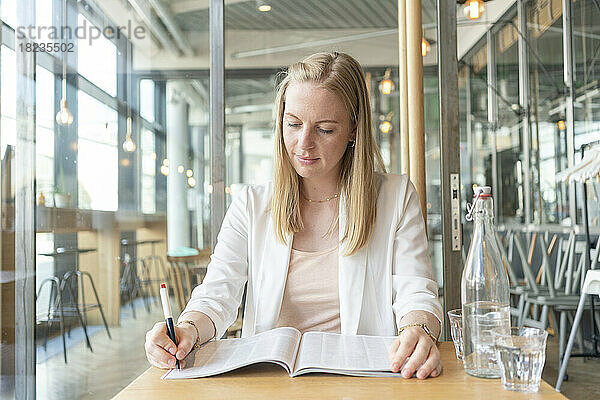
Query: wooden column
104, 267
403, 90
416, 127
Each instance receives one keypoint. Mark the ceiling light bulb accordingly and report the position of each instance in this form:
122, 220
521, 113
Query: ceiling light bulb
64, 116
128, 144
191, 181
387, 85
180, 169
164, 170
264, 8
189, 173
385, 127
425, 47
166, 162
474, 9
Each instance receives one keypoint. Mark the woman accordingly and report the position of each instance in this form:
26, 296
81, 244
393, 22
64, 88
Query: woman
332, 244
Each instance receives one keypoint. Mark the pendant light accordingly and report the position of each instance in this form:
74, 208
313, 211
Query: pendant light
64, 117
385, 125
474, 9
387, 85
425, 46
129, 145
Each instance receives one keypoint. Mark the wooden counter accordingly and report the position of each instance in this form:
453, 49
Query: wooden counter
266, 381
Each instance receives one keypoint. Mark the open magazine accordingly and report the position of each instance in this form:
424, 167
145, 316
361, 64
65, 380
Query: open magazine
299, 354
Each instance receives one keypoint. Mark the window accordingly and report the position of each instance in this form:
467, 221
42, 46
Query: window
44, 132
97, 160
148, 172
9, 98
43, 18
97, 59
8, 12
147, 99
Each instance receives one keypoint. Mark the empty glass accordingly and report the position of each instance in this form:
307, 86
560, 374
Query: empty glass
455, 317
521, 355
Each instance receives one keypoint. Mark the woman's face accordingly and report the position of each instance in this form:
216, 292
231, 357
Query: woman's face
316, 130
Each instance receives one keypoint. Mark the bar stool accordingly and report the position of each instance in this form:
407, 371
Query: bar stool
130, 283
54, 312
591, 286
70, 305
82, 307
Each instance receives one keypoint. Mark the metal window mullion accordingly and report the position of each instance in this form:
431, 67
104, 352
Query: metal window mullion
217, 117
492, 78
25, 212
450, 145
469, 122
569, 79
524, 103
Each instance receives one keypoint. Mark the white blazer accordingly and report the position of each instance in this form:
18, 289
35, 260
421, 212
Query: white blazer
377, 285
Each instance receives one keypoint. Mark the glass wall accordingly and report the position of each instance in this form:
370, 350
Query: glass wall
84, 162
105, 147
547, 89
586, 49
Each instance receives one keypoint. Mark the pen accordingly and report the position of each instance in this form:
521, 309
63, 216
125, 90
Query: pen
164, 298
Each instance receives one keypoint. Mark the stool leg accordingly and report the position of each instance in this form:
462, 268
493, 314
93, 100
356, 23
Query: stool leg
81, 283
561, 337
525, 313
521, 308
61, 323
544, 317
130, 287
48, 314
83, 325
565, 361
98, 302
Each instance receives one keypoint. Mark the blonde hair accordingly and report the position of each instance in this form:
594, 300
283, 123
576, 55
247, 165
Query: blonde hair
343, 75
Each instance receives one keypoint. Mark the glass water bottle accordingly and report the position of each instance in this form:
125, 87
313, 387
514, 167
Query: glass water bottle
484, 291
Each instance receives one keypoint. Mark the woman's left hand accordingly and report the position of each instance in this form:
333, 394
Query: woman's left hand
425, 359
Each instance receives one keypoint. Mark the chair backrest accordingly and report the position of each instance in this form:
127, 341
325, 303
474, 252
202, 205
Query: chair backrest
547, 266
527, 272
507, 263
596, 255
591, 284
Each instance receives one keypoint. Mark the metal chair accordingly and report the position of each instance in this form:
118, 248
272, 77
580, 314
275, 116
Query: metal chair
591, 286
182, 271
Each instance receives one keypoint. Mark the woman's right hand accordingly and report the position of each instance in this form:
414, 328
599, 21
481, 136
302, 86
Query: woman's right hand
160, 349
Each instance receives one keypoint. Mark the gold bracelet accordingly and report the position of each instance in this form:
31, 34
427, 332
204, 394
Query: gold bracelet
422, 326
192, 323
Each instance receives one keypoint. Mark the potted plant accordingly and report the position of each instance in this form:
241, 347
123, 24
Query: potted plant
62, 199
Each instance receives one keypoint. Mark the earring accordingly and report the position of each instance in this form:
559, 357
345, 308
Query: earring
352, 143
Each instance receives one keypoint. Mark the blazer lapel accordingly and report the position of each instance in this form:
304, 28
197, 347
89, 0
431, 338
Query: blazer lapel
272, 279
351, 279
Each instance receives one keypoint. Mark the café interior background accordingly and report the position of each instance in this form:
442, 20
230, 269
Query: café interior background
129, 155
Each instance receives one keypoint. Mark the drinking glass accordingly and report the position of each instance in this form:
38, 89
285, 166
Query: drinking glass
455, 317
521, 356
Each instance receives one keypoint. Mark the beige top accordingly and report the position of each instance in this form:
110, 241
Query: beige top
311, 298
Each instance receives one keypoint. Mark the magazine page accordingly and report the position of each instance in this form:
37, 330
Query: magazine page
218, 356
358, 355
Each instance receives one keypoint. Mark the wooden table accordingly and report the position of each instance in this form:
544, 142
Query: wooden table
266, 381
